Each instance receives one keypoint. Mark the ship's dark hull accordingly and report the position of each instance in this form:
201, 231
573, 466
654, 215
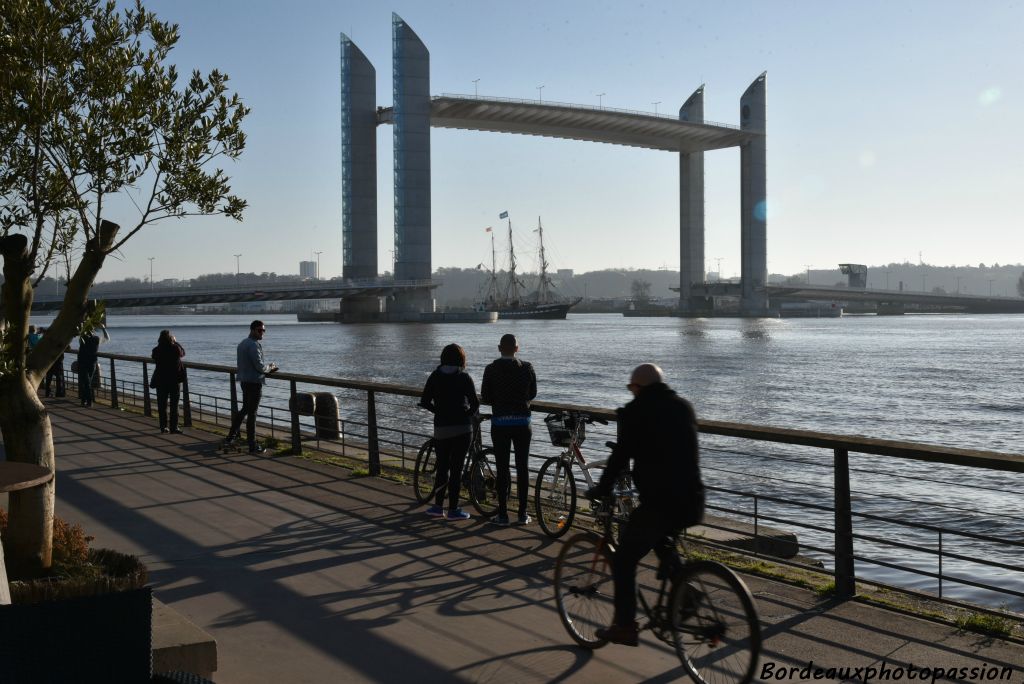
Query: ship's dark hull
535, 311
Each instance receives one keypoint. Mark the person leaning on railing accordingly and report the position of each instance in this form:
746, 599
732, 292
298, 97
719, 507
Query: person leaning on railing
658, 431
167, 377
252, 375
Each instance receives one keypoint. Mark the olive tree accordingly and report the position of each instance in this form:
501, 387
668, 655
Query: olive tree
90, 111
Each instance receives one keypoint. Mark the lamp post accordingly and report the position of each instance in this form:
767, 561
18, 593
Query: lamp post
318, 263
990, 281
151, 273
540, 93
476, 91
237, 269
599, 96
808, 267
656, 107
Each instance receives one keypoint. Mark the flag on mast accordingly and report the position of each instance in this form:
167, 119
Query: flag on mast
503, 214
487, 229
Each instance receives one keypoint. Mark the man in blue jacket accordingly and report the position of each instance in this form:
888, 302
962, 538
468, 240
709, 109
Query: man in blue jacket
252, 375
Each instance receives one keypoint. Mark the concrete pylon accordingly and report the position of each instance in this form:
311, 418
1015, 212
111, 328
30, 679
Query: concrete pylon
753, 202
691, 209
411, 85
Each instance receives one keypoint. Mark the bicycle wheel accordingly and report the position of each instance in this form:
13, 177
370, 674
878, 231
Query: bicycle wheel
584, 590
555, 497
483, 483
423, 475
717, 632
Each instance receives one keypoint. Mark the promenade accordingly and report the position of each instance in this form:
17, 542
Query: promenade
304, 573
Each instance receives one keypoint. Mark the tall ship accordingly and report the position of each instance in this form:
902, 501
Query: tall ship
511, 300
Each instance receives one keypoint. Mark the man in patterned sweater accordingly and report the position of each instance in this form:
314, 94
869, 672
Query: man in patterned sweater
508, 386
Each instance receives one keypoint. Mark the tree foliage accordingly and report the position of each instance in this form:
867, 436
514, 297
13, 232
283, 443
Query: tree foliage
97, 131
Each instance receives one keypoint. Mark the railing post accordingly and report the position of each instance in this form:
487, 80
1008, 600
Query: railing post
846, 581
186, 406
293, 405
147, 403
940, 563
234, 397
113, 385
373, 447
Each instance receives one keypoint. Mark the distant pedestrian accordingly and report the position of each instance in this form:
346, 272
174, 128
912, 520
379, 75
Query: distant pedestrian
252, 375
88, 364
55, 375
34, 335
508, 386
451, 396
168, 373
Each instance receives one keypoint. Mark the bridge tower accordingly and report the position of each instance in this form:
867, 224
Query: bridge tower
358, 172
411, 85
691, 210
753, 202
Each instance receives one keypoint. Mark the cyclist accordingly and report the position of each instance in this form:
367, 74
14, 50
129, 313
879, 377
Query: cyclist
658, 430
451, 396
508, 386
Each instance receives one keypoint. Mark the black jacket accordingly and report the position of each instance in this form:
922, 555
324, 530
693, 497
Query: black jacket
168, 370
508, 386
658, 431
451, 397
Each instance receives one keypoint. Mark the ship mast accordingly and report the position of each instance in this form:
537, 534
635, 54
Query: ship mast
512, 289
492, 287
543, 288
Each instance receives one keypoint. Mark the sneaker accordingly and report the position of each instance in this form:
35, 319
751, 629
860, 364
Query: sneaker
620, 634
500, 520
435, 511
164, 431
524, 519
458, 514
229, 440
256, 449
177, 431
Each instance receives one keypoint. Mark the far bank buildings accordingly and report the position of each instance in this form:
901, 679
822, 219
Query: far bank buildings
414, 111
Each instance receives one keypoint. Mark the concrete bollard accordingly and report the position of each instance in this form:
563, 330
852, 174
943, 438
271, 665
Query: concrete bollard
327, 414
302, 403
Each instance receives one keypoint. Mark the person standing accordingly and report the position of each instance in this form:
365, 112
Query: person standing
55, 374
451, 396
168, 372
252, 375
508, 386
88, 364
658, 431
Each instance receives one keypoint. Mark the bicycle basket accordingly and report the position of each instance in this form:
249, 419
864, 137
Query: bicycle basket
561, 427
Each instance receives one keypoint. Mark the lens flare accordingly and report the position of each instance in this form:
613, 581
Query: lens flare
990, 96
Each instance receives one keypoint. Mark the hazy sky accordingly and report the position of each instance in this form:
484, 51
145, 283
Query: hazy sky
893, 129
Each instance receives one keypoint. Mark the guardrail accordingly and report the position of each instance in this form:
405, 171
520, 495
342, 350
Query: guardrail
383, 421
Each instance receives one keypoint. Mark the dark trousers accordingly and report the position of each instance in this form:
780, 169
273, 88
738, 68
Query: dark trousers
252, 392
56, 373
451, 455
505, 437
647, 529
164, 393
86, 377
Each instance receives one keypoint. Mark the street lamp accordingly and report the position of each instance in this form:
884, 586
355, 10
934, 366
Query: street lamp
808, 267
151, 273
540, 93
599, 96
318, 261
656, 107
476, 90
237, 269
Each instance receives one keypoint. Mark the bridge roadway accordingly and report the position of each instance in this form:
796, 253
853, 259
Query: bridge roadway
931, 300
310, 289
306, 573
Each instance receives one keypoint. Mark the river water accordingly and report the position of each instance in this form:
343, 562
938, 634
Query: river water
954, 381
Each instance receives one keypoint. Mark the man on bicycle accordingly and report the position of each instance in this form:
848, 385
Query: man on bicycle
658, 430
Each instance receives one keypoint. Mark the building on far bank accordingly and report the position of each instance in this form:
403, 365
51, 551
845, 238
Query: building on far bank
307, 269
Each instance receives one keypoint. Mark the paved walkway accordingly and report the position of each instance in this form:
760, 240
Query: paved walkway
306, 574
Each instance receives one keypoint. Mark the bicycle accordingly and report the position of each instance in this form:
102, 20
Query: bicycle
479, 473
555, 489
700, 608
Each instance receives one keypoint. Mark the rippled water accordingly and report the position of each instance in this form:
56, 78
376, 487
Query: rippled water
949, 380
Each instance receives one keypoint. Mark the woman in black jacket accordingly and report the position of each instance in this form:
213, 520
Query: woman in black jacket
451, 396
167, 374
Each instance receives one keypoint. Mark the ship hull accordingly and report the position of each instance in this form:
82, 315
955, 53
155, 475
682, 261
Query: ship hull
536, 311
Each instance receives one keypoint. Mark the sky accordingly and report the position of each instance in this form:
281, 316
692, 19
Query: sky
894, 131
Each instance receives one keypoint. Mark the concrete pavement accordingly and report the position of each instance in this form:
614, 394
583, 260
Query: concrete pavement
304, 573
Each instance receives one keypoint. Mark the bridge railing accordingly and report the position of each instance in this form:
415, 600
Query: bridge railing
856, 502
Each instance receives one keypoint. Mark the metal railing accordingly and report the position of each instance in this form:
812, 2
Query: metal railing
379, 422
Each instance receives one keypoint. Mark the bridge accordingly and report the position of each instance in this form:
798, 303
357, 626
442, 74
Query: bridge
318, 289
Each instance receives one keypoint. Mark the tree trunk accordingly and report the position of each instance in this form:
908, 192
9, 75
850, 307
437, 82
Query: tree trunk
28, 438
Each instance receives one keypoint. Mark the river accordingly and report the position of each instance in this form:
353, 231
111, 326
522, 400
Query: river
954, 381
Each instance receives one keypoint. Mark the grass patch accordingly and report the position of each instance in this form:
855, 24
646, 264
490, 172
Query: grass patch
985, 623
826, 590
360, 471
